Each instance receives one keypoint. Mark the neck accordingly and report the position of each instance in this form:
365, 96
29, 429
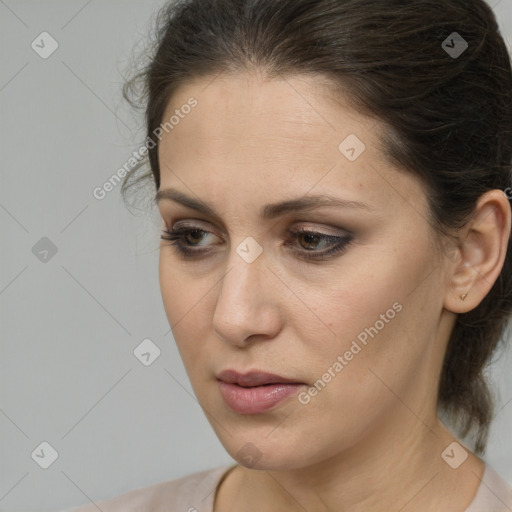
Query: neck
394, 468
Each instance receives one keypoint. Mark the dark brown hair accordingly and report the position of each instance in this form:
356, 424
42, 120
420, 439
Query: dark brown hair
448, 117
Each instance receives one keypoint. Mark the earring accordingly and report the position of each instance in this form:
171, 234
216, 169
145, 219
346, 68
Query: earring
463, 296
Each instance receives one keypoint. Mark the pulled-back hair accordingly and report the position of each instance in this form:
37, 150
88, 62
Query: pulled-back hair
447, 117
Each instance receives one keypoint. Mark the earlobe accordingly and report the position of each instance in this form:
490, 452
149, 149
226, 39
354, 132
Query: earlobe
481, 253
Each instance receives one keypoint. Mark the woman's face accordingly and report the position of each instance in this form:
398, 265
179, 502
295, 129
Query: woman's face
353, 311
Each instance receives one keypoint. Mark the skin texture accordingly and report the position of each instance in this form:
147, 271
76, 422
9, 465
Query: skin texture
370, 439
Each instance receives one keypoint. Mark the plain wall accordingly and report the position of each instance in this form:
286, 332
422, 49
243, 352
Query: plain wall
71, 320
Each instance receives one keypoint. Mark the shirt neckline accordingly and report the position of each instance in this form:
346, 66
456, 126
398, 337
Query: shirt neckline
490, 483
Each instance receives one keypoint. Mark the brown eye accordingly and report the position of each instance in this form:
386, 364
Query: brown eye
306, 243
310, 241
195, 235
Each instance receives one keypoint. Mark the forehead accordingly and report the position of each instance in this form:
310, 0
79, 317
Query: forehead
267, 108
247, 132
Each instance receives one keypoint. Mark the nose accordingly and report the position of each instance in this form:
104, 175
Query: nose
248, 303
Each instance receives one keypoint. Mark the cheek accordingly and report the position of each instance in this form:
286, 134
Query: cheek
188, 306
378, 314
181, 293
352, 304
170, 283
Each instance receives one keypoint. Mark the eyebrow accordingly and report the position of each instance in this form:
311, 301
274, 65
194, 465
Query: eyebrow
269, 211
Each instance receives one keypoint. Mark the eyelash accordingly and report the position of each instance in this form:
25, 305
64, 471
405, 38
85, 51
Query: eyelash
177, 236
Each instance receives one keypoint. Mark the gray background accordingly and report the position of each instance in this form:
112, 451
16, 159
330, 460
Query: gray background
70, 324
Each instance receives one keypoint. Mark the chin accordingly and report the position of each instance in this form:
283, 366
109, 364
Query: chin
260, 452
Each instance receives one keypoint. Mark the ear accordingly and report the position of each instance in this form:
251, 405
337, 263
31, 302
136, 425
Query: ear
481, 253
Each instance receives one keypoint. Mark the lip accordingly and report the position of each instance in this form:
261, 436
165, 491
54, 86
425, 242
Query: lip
255, 392
257, 399
254, 378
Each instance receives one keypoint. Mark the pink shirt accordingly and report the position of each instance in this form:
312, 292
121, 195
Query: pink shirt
196, 492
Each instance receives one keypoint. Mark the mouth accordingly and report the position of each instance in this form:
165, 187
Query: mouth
255, 392
254, 378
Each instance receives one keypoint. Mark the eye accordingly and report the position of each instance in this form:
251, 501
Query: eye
335, 244
186, 240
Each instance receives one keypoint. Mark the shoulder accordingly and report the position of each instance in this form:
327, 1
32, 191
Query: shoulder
493, 494
191, 493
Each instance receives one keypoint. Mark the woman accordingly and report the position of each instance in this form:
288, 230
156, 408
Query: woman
333, 179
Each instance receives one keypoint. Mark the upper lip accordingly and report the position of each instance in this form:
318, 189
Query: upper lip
253, 378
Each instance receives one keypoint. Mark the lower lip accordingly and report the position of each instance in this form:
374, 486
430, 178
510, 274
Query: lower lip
256, 399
